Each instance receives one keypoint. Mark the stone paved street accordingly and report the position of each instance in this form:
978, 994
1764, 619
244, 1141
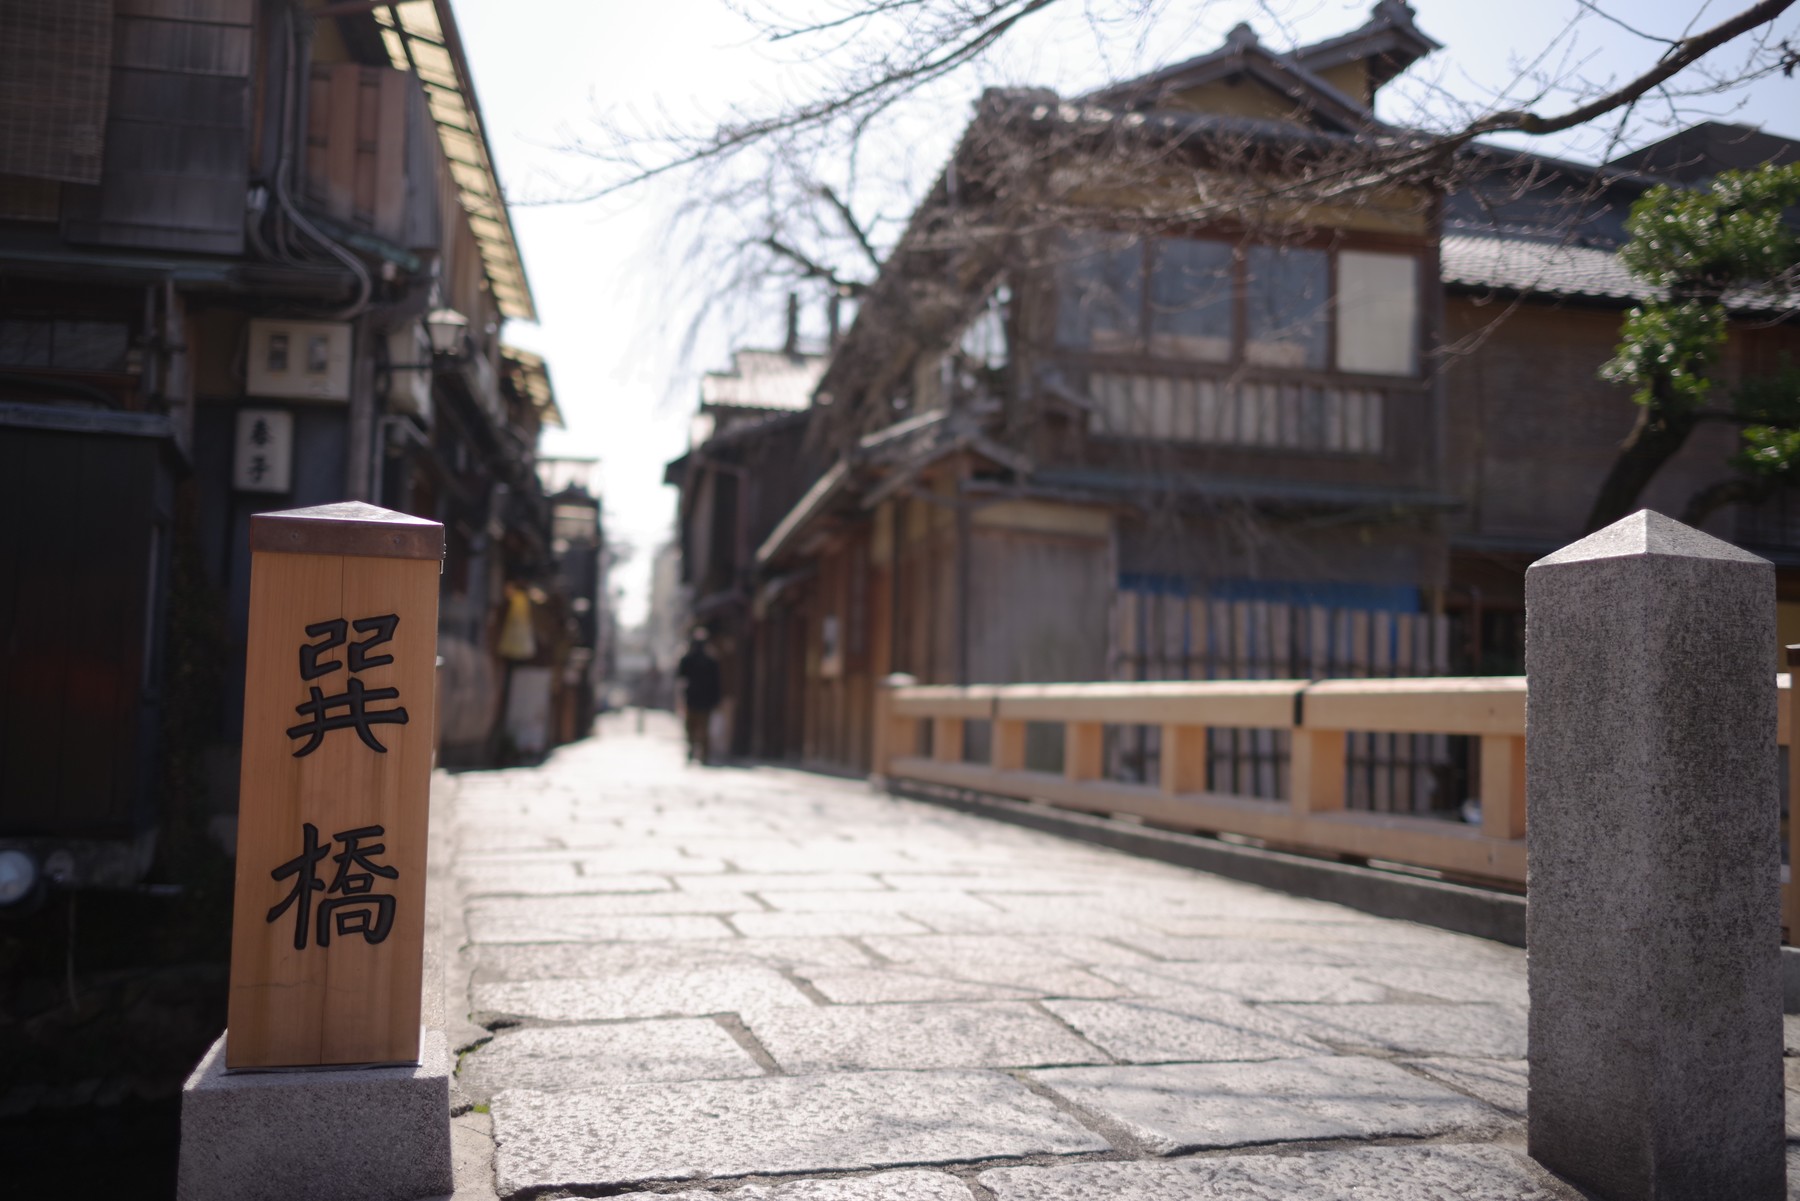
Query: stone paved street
775, 986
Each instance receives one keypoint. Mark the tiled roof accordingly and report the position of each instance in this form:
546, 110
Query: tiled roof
764, 379
1525, 265
1555, 269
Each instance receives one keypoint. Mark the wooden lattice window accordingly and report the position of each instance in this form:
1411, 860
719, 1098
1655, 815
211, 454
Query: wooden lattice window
54, 88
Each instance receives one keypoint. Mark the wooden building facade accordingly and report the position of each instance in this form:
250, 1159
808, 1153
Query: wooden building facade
1141, 433
230, 231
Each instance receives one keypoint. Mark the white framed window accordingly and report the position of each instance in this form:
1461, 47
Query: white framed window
1377, 313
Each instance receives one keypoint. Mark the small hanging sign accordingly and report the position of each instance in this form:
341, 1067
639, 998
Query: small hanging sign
264, 458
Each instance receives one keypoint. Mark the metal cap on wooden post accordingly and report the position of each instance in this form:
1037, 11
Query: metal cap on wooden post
1654, 876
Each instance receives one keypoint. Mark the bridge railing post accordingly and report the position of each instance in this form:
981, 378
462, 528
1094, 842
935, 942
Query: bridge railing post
894, 735
1654, 866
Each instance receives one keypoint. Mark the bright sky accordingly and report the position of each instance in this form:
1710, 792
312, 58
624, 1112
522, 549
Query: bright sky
611, 294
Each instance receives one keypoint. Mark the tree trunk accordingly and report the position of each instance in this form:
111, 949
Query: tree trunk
1743, 489
1656, 438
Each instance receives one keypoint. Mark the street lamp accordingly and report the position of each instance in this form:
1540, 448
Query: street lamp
448, 331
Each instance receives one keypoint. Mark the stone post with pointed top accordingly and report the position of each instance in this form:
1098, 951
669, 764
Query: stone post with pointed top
1654, 886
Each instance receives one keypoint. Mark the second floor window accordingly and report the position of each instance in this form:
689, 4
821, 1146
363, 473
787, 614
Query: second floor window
1209, 301
1285, 292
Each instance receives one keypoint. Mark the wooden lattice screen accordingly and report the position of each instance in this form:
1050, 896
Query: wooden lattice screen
53, 88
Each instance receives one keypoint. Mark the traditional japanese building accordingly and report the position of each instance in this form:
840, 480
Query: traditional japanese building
1110, 412
746, 466
253, 256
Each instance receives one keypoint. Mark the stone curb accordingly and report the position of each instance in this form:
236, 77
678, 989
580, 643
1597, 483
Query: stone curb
1457, 907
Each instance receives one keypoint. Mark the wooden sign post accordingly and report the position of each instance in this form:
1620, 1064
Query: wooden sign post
329, 919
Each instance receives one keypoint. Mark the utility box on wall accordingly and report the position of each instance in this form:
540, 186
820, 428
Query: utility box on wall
302, 360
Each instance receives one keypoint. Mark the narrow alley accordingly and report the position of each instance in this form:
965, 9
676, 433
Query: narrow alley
766, 984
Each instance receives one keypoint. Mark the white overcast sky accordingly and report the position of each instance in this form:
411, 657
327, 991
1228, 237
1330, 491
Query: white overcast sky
611, 300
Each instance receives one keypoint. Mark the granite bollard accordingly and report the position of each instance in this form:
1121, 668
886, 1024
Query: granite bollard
333, 1135
1653, 922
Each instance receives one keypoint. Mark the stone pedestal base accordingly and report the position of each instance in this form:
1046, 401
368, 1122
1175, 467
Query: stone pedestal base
357, 1134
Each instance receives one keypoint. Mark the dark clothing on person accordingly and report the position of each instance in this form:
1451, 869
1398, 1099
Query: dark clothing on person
698, 723
701, 693
700, 673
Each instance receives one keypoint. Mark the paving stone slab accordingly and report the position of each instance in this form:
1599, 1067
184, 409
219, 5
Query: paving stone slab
821, 925
652, 859
822, 881
825, 856
1464, 983
506, 912
1342, 943
646, 994
1178, 1029
973, 951
565, 1057
1094, 924
991, 982
883, 1186
1249, 981
516, 879
569, 960
1232, 948
1172, 1108
1192, 905
884, 901
633, 1134
1482, 1031
1502, 1083
474, 859
528, 833
1046, 884
917, 1037
554, 919
1435, 1173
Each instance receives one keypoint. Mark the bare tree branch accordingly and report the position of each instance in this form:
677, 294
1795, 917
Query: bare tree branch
812, 269
770, 191
830, 196
1683, 54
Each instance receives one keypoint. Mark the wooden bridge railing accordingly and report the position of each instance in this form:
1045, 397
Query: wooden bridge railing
1318, 716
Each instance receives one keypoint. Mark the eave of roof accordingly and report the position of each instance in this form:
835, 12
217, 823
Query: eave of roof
1390, 27
421, 37
1539, 267
764, 379
1241, 54
824, 490
1280, 493
531, 377
771, 422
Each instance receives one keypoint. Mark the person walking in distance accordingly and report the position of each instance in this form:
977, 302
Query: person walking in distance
699, 673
